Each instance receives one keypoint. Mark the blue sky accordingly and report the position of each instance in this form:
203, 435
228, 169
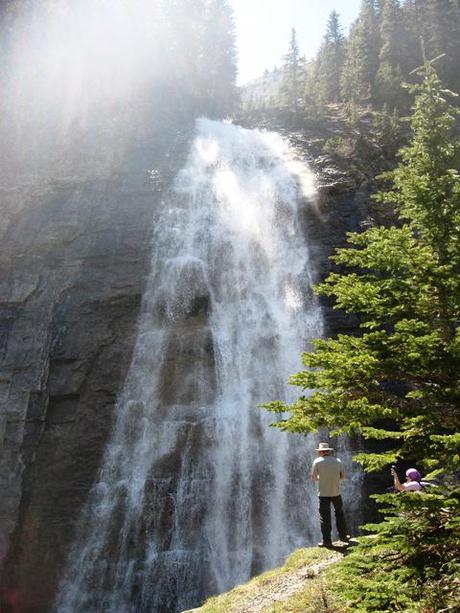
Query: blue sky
264, 26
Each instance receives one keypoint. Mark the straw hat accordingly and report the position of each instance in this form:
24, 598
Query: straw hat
324, 447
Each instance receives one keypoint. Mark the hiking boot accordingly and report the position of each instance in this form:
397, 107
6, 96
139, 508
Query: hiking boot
325, 544
345, 538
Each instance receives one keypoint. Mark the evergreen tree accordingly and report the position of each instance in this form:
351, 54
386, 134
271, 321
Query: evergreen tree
179, 32
411, 19
387, 42
218, 59
434, 26
411, 561
330, 60
404, 282
389, 76
313, 95
388, 132
362, 55
196, 54
443, 36
392, 34
293, 67
398, 379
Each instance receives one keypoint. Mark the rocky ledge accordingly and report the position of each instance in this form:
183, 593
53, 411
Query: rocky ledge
296, 586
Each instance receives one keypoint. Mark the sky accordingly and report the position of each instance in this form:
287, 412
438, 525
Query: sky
264, 26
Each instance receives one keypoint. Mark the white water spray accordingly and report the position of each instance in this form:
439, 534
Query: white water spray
196, 493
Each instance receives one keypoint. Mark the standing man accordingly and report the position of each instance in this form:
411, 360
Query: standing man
328, 472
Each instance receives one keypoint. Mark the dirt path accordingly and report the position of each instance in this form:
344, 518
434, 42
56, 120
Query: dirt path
261, 593
281, 587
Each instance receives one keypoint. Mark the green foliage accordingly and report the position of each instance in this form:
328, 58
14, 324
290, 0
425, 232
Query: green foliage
410, 562
329, 62
440, 31
293, 73
388, 84
388, 131
361, 61
217, 78
192, 60
264, 586
335, 145
404, 284
397, 379
427, 184
388, 40
389, 75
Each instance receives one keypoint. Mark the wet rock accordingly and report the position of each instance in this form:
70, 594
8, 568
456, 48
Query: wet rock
74, 255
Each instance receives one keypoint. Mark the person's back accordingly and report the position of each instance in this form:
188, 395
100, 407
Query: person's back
329, 472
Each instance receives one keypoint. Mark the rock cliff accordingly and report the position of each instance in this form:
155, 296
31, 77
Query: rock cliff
75, 247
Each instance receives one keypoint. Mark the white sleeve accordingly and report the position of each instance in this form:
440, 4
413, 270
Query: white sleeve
412, 486
314, 470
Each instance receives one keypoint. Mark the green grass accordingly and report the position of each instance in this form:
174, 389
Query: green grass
238, 598
353, 584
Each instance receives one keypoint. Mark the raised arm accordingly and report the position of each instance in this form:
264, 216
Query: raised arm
396, 481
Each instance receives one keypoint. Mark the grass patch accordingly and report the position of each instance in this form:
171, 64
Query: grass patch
314, 597
240, 597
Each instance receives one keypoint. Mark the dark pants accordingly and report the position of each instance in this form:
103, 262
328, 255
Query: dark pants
325, 517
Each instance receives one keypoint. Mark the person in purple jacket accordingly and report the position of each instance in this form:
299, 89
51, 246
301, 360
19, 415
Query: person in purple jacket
412, 482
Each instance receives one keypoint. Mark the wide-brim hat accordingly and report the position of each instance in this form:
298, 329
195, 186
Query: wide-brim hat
324, 447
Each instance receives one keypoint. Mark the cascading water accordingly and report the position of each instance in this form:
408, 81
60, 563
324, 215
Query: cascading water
196, 493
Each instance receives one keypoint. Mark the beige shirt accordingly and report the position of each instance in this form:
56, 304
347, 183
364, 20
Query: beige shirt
329, 472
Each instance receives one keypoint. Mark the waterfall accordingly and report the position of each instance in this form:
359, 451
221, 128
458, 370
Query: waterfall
196, 493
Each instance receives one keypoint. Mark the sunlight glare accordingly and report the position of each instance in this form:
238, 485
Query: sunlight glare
85, 53
236, 212
207, 150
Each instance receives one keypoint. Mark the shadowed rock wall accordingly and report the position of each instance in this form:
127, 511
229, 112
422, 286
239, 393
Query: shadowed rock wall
74, 255
75, 245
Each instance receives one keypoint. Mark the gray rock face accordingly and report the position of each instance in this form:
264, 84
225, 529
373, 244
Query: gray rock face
74, 255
